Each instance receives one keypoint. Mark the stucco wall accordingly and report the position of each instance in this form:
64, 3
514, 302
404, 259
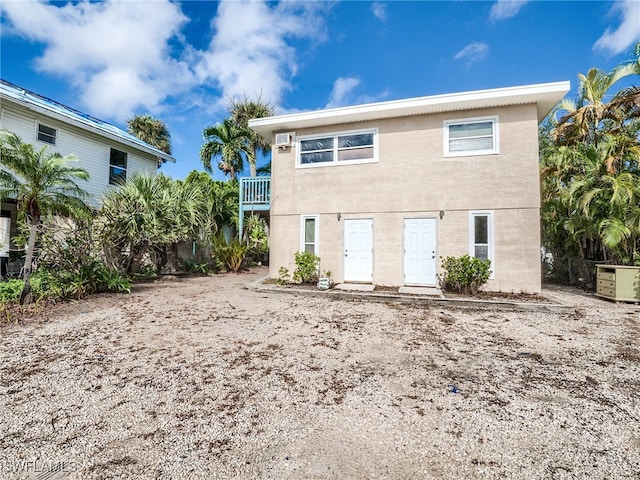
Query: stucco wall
412, 178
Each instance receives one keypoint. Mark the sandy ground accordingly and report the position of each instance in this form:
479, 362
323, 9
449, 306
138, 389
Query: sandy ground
201, 378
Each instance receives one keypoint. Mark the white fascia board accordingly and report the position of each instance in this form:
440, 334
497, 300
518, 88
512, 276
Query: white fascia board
86, 125
545, 96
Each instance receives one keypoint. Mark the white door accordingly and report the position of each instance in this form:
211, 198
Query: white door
358, 250
420, 251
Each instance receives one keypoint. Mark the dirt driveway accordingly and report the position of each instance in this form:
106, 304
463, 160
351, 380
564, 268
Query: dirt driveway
200, 378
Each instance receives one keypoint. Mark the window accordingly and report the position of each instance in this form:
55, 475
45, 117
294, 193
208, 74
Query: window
46, 134
477, 136
481, 236
117, 167
345, 147
309, 237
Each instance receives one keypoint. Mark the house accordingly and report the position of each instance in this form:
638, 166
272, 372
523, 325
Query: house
108, 153
382, 191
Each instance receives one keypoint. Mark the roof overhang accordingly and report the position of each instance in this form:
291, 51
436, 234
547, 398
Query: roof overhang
545, 96
102, 129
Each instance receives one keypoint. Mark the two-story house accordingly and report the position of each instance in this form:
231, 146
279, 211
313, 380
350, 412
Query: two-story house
382, 191
108, 153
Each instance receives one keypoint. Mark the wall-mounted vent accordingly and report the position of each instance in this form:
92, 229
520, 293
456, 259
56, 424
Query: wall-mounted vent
284, 139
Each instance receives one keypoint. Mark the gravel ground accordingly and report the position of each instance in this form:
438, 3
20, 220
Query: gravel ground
201, 378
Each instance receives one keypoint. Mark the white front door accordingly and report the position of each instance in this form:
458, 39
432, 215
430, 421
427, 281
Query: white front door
358, 250
420, 251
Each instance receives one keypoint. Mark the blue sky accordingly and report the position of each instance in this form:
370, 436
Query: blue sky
182, 61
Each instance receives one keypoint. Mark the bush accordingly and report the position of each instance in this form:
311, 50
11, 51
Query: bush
307, 265
10, 290
78, 283
464, 274
231, 255
194, 266
283, 276
257, 235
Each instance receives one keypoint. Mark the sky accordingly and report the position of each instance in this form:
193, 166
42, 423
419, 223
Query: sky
181, 62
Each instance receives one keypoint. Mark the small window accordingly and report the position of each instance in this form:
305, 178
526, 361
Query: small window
481, 236
46, 134
117, 167
309, 234
344, 147
471, 137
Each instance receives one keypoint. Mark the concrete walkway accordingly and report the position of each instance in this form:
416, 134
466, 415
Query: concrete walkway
412, 295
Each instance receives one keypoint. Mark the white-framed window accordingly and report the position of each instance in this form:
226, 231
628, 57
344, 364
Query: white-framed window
471, 136
359, 146
481, 236
309, 234
117, 167
47, 134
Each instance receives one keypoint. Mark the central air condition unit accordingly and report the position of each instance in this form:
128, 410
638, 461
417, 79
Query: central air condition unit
283, 139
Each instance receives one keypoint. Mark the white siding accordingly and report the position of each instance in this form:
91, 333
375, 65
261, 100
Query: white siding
92, 150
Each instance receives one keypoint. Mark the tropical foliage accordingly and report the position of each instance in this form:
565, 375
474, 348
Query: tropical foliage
590, 172
227, 142
44, 184
230, 253
232, 142
241, 112
152, 131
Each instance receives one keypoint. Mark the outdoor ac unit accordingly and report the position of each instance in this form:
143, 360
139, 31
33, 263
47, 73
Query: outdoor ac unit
283, 139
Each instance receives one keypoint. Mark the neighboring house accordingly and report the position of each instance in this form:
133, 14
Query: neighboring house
108, 153
382, 191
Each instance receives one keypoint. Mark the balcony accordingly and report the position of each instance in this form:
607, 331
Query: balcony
255, 196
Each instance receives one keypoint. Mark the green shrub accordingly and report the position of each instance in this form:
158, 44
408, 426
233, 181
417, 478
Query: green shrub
194, 266
283, 276
307, 265
256, 233
78, 283
231, 255
10, 290
464, 274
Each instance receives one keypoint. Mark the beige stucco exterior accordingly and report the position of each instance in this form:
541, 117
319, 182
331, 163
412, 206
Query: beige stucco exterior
413, 178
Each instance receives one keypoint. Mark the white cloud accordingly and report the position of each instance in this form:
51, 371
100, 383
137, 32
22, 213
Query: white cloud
472, 53
116, 54
503, 9
124, 57
379, 10
342, 87
627, 33
250, 54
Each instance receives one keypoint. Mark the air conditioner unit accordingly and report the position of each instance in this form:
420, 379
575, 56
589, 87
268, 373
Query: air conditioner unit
284, 139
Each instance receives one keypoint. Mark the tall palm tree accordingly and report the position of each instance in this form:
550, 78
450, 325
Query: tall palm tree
228, 142
43, 184
152, 131
591, 116
241, 113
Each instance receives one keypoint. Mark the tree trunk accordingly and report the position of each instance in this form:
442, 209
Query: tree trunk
25, 296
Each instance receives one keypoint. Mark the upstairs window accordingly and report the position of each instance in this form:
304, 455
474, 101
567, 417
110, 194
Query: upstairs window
117, 167
477, 136
47, 134
346, 147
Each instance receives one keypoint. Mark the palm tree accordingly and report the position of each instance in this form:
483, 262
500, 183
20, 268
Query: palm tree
152, 131
43, 184
148, 215
591, 117
241, 113
228, 142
